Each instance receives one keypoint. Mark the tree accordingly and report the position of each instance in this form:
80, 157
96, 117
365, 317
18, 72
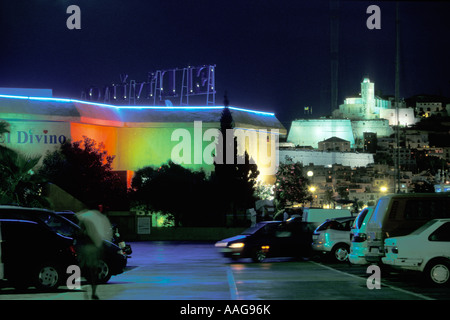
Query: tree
423, 187
84, 170
143, 186
173, 189
291, 186
19, 182
235, 180
4, 128
342, 191
328, 197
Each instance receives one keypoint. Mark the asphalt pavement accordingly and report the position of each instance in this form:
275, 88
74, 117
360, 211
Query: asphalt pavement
196, 271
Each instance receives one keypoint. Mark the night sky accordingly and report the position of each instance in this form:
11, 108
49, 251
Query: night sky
270, 55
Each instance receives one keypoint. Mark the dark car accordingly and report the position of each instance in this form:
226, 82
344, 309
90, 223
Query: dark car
117, 240
31, 254
69, 215
269, 239
114, 260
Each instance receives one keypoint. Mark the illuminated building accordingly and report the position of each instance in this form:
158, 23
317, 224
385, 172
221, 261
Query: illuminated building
326, 158
371, 107
138, 136
427, 109
367, 106
309, 132
334, 144
403, 116
379, 127
352, 120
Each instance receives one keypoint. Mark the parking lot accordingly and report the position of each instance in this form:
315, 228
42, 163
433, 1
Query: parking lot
195, 271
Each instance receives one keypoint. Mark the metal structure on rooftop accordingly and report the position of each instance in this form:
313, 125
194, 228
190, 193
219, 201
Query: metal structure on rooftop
162, 87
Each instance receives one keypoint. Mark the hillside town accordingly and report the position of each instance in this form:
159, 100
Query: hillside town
353, 155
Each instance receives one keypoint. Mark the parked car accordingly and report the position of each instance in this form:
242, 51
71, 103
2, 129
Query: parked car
32, 254
69, 215
268, 239
316, 216
114, 260
360, 221
333, 238
427, 250
400, 214
117, 239
358, 237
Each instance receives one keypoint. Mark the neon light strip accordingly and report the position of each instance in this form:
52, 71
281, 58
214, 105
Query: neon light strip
131, 107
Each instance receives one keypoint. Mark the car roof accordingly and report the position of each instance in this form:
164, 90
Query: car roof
18, 221
12, 207
271, 221
417, 195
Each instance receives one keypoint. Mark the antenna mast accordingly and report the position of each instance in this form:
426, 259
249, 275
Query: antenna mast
397, 100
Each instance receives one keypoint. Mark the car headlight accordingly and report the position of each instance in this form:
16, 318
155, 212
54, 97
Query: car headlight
236, 245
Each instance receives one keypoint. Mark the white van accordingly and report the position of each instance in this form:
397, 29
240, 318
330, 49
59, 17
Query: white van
318, 216
400, 214
358, 237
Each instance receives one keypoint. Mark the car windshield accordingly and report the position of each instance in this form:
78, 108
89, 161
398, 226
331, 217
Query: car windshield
381, 208
360, 218
261, 227
253, 229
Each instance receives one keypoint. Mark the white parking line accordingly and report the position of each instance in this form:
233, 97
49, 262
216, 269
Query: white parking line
232, 284
386, 285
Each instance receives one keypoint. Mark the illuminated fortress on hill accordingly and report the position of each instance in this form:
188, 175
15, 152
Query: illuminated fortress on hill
355, 117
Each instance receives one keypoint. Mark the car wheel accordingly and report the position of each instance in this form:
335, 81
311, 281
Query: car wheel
341, 252
259, 255
438, 272
104, 274
47, 277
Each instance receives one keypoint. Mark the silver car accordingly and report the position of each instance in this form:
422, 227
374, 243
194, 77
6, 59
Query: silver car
358, 236
333, 238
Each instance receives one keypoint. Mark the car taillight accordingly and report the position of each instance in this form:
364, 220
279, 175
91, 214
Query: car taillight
72, 250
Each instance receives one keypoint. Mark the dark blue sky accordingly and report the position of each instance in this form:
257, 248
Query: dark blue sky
270, 55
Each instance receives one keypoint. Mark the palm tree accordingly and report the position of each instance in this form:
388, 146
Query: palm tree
19, 183
4, 127
328, 197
